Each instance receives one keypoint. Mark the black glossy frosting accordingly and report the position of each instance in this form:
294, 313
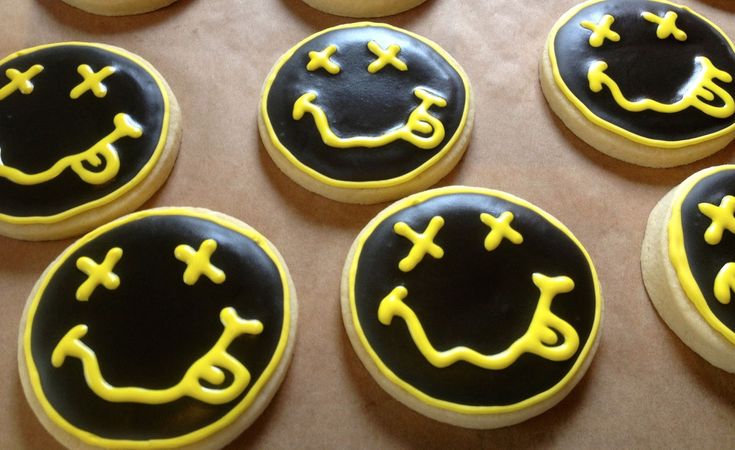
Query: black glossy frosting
358, 102
472, 297
151, 329
644, 66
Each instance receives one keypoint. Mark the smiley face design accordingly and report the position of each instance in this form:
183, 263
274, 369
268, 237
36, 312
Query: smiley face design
363, 106
652, 71
80, 126
474, 302
158, 330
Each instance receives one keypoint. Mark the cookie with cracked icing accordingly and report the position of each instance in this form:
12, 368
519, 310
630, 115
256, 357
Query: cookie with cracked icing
365, 112
88, 132
649, 82
471, 306
118, 7
688, 264
167, 328
364, 8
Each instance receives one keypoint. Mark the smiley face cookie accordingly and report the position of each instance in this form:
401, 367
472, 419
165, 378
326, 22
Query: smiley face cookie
118, 7
471, 306
365, 112
646, 81
87, 132
167, 328
689, 265
364, 8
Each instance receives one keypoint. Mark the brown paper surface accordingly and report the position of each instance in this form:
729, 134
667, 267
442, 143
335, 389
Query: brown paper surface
644, 389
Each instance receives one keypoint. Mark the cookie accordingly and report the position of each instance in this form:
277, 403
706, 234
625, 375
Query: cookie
471, 306
88, 132
364, 8
649, 82
688, 263
167, 328
365, 112
118, 7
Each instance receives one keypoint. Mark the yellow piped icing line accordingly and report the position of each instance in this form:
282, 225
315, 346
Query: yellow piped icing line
98, 274
102, 151
322, 60
500, 229
666, 25
194, 436
423, 243
207, 368
198, 263
724, 283
385, 57
592, 117
374, 183
20, 81
540, 338
144, 171
601, 30
702, 90
678, 256
417, 393
722, 217
419, 121
92, 81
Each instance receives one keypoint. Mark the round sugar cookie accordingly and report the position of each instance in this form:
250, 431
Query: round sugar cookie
688, 262
118, 7
365, 112
88, 132
167, 328
471, 306
363, 8
649, 82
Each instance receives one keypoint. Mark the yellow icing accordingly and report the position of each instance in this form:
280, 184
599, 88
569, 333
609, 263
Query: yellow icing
592, 117
385, 57
680, 261
322, 60
722, 217
419, 121
144, 171
373, 183
724, 283
207, 368
194, 436
198, 264
601, 30
500, 229
540, 338
92, 81
20, 81
423, 243
98, 273
666, 25
700, 90
411, 389
102, 151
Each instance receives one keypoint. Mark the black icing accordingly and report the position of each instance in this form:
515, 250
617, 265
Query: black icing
38, 129
150, 330
472, 297
644, 66
706, 260
359, 103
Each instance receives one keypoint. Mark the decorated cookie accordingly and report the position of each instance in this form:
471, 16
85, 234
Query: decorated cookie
646, 81
363, 8
365, 112
471, 306
688, 263
87, 132
118, 7
167, 328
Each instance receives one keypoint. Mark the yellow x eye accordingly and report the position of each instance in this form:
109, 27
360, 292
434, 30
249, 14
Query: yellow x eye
92, 81
20, 81
385, 57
